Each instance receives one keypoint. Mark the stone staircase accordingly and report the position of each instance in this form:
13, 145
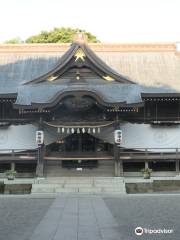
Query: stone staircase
79, 185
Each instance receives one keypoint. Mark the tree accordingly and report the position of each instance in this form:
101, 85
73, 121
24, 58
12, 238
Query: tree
60, 35
16, 40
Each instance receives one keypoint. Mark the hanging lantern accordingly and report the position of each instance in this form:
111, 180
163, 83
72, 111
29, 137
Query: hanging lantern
94, 130
83, 130
68, 131
78, 130
89, 130
72, 130
99, 130
62, 130
59, 130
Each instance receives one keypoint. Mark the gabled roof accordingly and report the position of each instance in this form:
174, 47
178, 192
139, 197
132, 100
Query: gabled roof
151, 64
155, 69
88, 58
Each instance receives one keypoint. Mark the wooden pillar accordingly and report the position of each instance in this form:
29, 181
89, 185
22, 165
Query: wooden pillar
146, 164
13, 166
116, 161
177, 161
40, 161
121, 168
118, 165
40, 155
177, 167
80, 147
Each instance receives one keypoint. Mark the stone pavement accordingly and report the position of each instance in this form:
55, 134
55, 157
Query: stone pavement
77, 218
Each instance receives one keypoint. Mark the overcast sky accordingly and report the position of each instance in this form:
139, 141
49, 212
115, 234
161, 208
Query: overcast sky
109, 20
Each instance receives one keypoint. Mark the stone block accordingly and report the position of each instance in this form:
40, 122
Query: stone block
90, 190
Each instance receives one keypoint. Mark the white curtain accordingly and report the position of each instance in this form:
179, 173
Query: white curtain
134, 136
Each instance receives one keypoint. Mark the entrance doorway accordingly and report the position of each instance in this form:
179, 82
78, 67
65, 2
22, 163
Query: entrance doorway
84, 142
79, 143
80, 150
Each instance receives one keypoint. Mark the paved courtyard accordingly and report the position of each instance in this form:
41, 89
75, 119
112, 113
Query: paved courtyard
153, 211
24, 218
20, 215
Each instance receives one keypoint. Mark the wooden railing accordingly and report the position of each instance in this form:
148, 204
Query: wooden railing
125, 154
89, 155
150, 153
18, 154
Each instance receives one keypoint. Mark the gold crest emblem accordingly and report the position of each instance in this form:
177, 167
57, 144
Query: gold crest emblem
79, 55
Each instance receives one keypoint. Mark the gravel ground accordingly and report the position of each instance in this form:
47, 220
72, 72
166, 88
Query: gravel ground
20, 215
147, 211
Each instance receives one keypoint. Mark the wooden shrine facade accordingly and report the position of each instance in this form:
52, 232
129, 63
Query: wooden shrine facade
79, 103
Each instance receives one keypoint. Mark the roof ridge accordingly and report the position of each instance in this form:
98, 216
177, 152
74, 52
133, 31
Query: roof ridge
97, 47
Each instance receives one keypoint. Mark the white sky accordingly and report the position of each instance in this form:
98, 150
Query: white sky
109, 20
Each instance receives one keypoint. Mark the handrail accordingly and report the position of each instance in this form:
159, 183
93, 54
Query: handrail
148, 153
17, 152
17, 149
125, 150
149, 150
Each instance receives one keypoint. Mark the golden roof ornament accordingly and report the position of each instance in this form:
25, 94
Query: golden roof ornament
79, 55
108, 78
52, 78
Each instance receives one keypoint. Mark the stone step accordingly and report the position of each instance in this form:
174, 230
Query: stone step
66, 190
113, 188
113, 181
81, 180
37, 186
90, 190
42, 190
56, 181
76, 185
75, 190
50, 181
79, 184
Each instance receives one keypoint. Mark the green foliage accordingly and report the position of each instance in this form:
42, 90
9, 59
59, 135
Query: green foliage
11, 173
146, 170
14, 41
60, 35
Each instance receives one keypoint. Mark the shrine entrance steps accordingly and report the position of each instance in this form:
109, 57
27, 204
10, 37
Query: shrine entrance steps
95, 185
